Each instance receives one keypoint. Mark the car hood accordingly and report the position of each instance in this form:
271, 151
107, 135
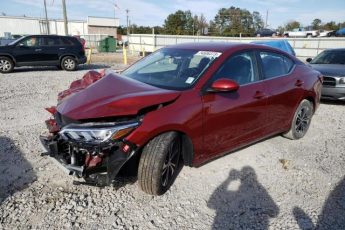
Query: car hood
330, 69
113, 95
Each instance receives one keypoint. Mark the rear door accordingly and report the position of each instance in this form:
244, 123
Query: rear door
284, 88
51, 48
232, 119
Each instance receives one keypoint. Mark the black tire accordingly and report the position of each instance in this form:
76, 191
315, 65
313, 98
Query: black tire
69, 63
6, 65
301, 121
160, 163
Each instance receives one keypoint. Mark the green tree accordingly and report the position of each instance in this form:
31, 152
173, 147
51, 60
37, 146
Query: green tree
257, 20
316, 24
330, 26
179, 23
292, 24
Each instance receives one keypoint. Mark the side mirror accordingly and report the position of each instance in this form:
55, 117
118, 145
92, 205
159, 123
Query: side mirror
309, 59
224, 85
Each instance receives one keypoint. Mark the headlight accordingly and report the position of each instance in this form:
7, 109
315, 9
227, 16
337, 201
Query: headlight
96, 133
342, 80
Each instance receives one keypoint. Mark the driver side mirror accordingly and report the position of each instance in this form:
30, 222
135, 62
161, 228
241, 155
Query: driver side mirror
223, 85
309, 59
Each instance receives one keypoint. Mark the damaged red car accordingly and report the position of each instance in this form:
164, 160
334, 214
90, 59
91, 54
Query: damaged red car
182, 105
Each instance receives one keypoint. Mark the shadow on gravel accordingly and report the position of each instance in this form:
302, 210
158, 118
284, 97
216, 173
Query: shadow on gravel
332, 215
331, 102
53, 68
15, 171
247, 207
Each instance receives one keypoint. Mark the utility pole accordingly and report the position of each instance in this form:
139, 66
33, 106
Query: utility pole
65, 16
127, 11
266, 19
47, 22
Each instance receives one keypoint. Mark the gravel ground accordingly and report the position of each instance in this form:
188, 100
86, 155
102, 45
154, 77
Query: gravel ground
274, 184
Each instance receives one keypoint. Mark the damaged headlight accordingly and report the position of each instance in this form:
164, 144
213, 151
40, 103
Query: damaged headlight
96, 133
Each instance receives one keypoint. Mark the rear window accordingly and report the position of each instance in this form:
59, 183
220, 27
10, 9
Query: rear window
68, 41
275, 65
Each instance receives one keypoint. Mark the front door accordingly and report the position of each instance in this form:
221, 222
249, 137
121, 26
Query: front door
232, 119
29, 50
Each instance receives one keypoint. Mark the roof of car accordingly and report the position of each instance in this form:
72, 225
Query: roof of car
212, 46
336, 49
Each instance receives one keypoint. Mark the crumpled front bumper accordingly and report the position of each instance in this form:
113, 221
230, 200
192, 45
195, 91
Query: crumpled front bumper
101, 175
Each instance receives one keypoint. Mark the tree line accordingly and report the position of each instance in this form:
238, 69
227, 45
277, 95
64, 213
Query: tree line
232, 21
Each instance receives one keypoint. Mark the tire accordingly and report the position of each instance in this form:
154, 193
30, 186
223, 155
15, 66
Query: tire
160, 163
309, 36
6, 65
299, 127
69, 63
258, 35
274, 35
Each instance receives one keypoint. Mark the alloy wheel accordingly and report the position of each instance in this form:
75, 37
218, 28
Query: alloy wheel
171, 163
5, 65
303, 120
69, 63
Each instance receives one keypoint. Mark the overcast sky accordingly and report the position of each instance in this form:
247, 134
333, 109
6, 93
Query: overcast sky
153, 12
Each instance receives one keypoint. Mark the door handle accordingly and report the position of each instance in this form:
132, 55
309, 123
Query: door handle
299, 83
62, 48
37, 50
259, 95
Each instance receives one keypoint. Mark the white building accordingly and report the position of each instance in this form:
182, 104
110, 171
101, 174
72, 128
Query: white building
29, 25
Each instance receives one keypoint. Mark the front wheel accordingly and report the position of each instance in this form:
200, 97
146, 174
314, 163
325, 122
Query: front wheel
301, 121
160, 163
6, 65
69, 63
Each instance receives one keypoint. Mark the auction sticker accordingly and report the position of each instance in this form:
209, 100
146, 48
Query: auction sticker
190, 80
209, 54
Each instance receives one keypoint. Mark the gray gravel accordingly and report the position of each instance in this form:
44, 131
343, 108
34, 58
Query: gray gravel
248, 189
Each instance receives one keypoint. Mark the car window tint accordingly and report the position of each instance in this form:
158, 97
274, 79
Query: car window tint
52, 41
240, 68
275, 65
66, 41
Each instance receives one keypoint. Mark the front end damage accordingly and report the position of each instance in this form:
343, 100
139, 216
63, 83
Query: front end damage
89, 126
95, 151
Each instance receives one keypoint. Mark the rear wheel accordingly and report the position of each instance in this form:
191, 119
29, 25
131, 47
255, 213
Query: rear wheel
69, 63
160, 163
301, 121
6, 65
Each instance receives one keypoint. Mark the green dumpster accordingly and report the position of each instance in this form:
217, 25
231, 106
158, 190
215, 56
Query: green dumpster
107, 44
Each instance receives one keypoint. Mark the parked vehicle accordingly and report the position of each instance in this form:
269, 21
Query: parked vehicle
42, 50
301, 32
264, 32
331, 63
340, 32
281, 44
327, 33
182, 105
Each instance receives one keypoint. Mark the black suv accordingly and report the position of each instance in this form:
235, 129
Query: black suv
42, 50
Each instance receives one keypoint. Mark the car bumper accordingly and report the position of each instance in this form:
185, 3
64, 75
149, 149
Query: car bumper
101, 175
333, 93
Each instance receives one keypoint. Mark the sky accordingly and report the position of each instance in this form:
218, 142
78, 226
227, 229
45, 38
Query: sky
154, 12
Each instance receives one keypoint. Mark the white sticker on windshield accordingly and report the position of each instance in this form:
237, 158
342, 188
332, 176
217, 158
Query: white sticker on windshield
209, 54
190, 80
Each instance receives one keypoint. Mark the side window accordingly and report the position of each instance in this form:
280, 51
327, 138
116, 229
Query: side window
275, 65
240, 68
52, 41
67, 41
32, 42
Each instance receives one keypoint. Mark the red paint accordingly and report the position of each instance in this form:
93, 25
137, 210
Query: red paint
225, 85
216, 122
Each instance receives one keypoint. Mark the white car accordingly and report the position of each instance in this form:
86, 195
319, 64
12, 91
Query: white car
301, 32
327, 33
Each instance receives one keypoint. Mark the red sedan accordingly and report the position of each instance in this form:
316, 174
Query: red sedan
182, 105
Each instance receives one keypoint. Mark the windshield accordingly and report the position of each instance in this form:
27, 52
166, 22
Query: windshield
170, 68
330, 57
13, 42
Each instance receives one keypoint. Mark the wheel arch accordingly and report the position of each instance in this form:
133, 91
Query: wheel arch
8, 56
68, 55
187, 145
